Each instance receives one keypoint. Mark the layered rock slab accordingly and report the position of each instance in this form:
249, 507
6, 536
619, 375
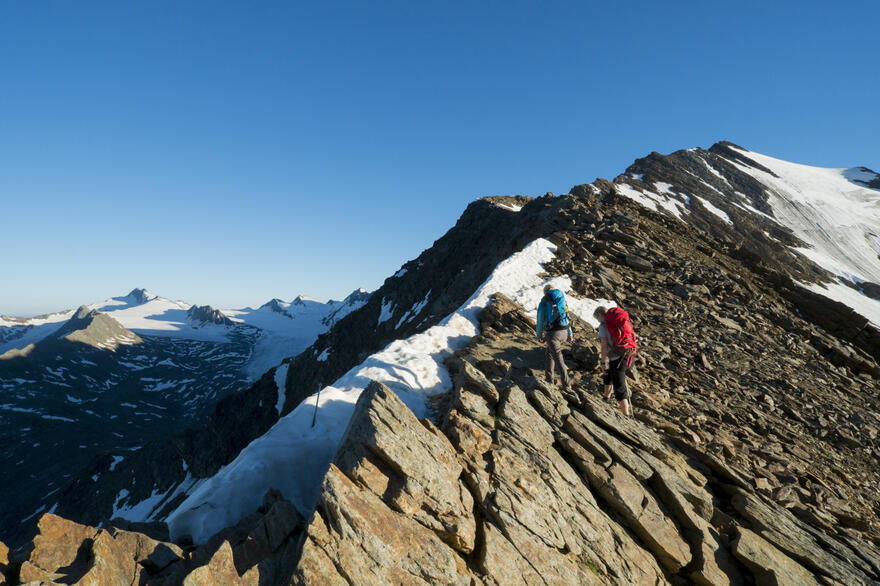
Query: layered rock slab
392, 508
69, 553
411, 466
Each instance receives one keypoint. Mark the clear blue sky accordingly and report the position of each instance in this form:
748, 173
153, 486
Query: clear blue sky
230, 152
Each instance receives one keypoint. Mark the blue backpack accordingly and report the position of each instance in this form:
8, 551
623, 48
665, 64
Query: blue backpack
558, 314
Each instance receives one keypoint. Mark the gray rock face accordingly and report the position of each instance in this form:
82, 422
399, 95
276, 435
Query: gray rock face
411, 466
205, 314
769, 565
356, 538
93, 328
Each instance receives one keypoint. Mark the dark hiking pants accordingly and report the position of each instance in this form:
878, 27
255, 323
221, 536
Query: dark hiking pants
555, 338
616, 375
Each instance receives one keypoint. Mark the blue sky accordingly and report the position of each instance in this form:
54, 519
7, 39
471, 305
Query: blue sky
230, 152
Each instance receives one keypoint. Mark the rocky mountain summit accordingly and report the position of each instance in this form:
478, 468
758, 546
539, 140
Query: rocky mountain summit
86, 326
753, 457
205, 314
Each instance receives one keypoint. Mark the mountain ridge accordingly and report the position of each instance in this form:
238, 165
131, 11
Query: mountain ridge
610, 245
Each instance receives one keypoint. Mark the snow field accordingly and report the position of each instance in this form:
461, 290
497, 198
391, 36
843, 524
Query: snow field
838, 220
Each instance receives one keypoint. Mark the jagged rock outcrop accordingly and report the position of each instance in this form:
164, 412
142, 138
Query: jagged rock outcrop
140, 295
205, 314
259, 550
275, 305
68, 553
558, 491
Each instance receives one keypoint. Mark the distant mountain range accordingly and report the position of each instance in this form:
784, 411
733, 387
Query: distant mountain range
110, 376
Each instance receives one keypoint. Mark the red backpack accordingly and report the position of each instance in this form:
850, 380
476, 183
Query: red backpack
621, 332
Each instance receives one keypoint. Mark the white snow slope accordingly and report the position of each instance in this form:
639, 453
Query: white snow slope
837, 218
293, 456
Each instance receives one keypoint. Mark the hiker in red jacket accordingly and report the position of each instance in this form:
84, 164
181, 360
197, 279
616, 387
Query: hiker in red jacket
618, 348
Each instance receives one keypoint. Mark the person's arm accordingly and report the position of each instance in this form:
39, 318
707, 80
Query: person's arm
539, 328
603, 361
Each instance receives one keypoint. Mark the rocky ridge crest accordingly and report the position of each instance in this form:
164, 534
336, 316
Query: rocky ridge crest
515, 483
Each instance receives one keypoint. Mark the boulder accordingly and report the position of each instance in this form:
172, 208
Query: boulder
625, 494
779, 527
769, 566
355, 537
638, 263
411, 466
475, 381
4, 560
220, 569
68, 552
60, 544
270, 533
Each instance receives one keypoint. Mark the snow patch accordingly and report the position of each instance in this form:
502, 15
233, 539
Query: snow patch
862, 304
386, 312
717, 211
57, 418
663, 188
280, 380
652, 201
414, 310
141, 511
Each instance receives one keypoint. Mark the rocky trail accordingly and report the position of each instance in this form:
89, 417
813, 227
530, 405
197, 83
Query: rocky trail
514, 483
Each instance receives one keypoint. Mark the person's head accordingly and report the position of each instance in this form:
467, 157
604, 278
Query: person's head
599, 313
547, 288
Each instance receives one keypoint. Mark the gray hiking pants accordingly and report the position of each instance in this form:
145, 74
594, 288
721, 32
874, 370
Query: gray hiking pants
555, 338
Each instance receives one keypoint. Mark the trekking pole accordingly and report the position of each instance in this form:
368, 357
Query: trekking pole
315, 416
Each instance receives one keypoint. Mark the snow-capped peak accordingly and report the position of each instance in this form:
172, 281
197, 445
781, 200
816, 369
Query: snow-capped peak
302, 300
140, 295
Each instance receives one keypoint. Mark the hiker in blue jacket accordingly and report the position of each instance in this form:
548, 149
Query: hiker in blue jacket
554, 327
